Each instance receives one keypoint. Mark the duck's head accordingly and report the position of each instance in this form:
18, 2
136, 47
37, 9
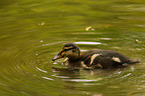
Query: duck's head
69, 50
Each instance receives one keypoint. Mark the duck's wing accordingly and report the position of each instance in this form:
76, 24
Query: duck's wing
105, 58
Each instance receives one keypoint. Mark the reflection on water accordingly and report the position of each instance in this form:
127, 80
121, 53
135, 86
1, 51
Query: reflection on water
90, 43
33, 31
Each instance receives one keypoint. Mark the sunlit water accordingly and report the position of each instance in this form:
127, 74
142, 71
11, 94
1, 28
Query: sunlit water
33, 31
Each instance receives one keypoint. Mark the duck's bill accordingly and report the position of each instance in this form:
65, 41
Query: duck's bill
56, 57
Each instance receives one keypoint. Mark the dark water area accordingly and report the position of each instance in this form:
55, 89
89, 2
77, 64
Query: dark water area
33, 31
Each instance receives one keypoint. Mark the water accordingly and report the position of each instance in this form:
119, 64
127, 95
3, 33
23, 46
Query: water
33, 31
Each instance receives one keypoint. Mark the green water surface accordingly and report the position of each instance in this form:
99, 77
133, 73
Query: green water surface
33, 31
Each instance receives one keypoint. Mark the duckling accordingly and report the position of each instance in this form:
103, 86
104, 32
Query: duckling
95, 58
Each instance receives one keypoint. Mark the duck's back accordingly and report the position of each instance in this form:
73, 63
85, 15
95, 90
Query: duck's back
104, 58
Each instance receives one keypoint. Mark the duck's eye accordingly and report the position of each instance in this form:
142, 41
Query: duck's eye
62, 54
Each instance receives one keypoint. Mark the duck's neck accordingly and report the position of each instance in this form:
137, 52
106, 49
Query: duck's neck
74, 57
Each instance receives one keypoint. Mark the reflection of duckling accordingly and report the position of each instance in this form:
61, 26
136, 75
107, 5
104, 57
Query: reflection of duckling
91, 59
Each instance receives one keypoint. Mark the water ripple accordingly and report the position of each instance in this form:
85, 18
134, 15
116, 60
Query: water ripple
41, 70
89, 43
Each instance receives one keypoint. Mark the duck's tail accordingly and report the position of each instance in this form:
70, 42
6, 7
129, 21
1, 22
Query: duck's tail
130, 63
134, 62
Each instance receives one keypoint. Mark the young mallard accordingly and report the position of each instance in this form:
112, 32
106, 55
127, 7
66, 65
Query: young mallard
91, 59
